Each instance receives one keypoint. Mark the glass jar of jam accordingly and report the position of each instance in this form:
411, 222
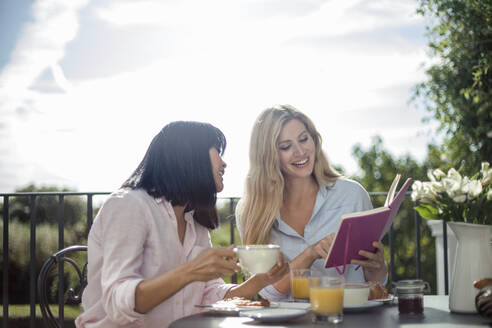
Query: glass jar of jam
410, 295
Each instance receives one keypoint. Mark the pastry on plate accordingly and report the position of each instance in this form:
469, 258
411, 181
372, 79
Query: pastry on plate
377, 291
240, 301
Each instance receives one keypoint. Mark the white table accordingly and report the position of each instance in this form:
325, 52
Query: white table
436, 314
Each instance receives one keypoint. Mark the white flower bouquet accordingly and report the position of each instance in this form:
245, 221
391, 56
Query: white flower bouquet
452, 197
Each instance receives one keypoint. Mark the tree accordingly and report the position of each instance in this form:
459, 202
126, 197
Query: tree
458, 90
47, 207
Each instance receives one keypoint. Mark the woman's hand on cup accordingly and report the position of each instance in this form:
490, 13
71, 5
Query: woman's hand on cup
375, 268
214, 263
277, 272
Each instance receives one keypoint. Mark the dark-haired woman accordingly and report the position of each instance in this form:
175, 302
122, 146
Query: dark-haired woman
150, 256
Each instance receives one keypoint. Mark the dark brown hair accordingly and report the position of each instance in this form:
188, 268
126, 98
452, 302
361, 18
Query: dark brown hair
177, 167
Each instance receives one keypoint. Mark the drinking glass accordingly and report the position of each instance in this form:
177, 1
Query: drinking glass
299, 284
326, 296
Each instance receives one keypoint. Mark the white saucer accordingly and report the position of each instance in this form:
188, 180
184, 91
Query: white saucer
223, 308
389, 299
295, 305
367, 305
273, 315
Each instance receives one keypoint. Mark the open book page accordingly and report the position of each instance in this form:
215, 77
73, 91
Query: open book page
395, 204
392, 189
389, 199
362, 213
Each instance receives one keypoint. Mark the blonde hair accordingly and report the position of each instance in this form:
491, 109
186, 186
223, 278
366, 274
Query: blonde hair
264, 189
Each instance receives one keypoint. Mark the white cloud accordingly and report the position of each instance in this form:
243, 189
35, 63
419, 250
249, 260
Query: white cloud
223, 66
167, 13
42, 42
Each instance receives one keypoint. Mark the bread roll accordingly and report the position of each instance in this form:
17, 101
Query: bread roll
377, 291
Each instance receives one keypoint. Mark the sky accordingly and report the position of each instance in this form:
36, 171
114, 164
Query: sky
86, 84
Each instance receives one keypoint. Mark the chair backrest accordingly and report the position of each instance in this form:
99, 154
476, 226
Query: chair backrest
71, 295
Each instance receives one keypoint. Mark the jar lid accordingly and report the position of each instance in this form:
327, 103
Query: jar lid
410, 286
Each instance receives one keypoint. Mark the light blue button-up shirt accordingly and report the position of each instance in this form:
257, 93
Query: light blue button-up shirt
344, 196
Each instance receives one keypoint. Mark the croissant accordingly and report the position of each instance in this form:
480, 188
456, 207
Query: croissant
377, 291
240, 301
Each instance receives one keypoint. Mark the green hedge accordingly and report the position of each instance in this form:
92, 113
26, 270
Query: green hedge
19, 315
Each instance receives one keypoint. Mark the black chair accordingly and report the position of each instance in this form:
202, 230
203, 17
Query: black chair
66, 295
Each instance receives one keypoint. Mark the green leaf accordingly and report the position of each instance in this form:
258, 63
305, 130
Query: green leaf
428, 212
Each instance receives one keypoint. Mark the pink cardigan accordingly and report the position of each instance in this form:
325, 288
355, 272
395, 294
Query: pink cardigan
134, 237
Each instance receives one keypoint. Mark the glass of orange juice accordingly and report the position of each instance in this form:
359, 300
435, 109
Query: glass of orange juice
299, 284
326, 296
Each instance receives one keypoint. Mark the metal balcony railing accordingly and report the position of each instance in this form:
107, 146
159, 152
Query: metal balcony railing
33, 198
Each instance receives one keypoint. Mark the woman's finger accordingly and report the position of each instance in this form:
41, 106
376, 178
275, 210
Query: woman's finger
223, 263
280, 260
358, 262
274, 271
232, 266
325, 246
379, 246
227, 252
367, 264
369, 255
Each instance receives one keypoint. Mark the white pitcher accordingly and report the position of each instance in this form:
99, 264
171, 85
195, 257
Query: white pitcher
473, 262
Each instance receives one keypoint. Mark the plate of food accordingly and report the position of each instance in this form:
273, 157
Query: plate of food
236, 304
363, 307
378, 293
295, 305
273, 314
390, 298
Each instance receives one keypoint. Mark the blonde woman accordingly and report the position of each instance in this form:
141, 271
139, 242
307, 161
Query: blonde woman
295, 199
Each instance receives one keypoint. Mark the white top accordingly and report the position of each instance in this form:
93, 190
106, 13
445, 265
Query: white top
134, 237
344, 196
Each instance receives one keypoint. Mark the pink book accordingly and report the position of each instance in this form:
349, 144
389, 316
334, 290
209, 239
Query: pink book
358, 230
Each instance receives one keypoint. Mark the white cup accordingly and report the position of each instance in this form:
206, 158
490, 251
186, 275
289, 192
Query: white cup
355, 294
257, 258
